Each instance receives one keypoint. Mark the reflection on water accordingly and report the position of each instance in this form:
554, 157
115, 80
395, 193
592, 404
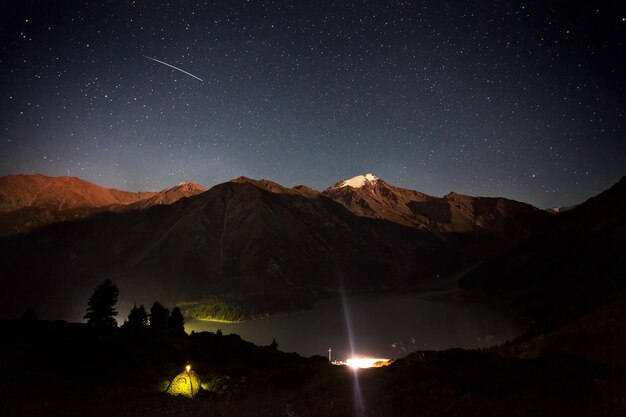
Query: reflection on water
387, 325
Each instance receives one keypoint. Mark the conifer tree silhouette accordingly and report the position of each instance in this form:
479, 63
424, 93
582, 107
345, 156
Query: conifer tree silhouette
159, 316
101, 306
176, 321
137, 318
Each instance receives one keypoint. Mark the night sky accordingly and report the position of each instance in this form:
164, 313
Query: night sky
518, 99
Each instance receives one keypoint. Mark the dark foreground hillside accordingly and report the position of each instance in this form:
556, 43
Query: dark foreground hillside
574, 267
55, 368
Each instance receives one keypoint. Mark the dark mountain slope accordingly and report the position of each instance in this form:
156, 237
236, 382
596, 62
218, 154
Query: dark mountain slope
236, 238
572, 267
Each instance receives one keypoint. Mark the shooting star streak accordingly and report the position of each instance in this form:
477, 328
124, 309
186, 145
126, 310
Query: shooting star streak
172, 66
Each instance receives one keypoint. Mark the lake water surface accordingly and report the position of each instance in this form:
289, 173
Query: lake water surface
380, 325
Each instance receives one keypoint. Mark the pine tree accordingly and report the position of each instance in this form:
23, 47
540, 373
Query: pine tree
159, 316
101, 306
137, 318
176, 321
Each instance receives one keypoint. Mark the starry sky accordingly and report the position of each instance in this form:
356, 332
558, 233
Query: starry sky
521, 99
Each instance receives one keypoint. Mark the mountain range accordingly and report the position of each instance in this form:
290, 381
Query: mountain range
478, 225
31, 201
252, 241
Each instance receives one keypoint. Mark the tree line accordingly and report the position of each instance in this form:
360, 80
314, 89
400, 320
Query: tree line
101, 313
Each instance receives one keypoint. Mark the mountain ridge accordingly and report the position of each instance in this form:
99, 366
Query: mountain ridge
60, 193
497, 223
480, 225
31, 201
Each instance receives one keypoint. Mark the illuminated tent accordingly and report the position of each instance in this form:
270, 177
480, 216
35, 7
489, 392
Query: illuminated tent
186, 383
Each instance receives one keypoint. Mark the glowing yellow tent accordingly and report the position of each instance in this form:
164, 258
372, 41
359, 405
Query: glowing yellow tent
186, 383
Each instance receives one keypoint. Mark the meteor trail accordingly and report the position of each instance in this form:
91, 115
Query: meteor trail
172, 66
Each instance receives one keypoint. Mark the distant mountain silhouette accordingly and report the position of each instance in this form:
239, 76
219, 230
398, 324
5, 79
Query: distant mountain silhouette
31, 201
559, 209
58, 193
570, 268
479, 225
167, 196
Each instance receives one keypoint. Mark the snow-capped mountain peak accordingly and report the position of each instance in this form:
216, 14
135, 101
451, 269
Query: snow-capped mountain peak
360, 180
186, 186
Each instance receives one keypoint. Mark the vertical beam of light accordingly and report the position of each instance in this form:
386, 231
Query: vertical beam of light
359, 409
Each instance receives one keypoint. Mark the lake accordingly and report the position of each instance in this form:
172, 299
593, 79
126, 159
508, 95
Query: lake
379, 325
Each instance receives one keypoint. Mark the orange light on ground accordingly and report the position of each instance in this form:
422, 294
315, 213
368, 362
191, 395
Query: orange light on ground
361, 363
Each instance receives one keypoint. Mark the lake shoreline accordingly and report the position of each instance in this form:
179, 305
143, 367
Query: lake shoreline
450, 295
418, 324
